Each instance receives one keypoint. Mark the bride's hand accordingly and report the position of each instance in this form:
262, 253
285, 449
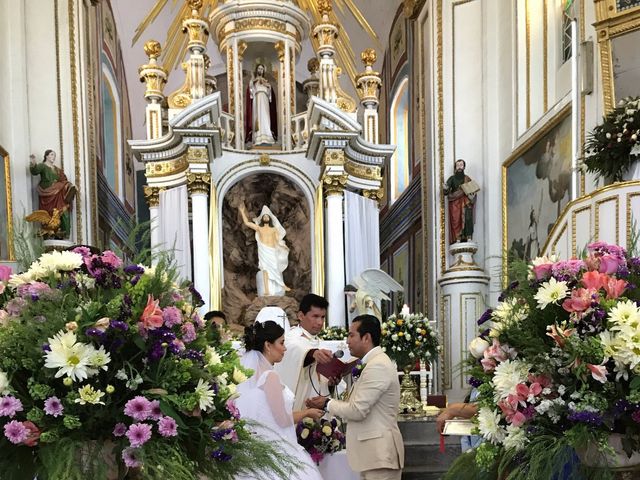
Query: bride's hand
314, 413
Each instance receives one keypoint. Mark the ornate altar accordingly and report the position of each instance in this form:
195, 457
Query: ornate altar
206, 153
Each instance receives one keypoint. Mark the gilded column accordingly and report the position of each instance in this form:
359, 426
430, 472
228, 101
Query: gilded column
198, 31
325, 34
242, 46
155, 77
368, 86
199, 184
239, 104
335, 272
152, 196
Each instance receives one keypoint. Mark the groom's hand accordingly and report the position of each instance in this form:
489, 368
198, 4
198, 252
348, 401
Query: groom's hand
322, 355
316, 402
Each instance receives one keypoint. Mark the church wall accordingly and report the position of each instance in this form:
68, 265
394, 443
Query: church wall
400, 219
48, 52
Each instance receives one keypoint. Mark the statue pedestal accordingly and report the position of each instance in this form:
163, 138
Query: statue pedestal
464, 288
60, 245
288, 304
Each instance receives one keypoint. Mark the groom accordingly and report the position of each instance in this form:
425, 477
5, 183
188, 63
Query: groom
374, 442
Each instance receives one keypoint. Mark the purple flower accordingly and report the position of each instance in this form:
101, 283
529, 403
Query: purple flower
167, 427
131, 457
16, 432
138, 434
84, 251
197, 321
233, 410
172, 316
119, 430
134, 270
156, 413
118, 325
111, 259
590, 418
138, 408
46, 347
14, 306
474, 382
486, 316
188, 332
567, 270
93, 332
220, 455
9, 406
53, 406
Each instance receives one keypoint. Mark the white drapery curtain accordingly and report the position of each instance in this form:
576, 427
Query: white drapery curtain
362, 235
174, 227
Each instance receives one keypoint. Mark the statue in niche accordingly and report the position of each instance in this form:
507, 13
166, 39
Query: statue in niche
261, 123
273, 253
55, 195
461, 192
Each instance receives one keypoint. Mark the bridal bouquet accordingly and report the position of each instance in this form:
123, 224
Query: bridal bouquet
320, 438
408, 337
558, 368
107, 368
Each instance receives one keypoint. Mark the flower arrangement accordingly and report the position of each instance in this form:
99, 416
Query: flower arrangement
408, 337
107, 368
320, 438
613, 146
334, 333
558, 368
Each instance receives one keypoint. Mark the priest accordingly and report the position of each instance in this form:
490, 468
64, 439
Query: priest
298, 367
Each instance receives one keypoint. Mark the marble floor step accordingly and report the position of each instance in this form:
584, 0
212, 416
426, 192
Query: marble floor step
409, 473
430, 456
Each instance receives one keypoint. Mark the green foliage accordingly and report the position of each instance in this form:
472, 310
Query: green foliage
82, 307
610, 144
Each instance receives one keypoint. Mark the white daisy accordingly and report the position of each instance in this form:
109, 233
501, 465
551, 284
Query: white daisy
4, 383
61, 261
551, 291
205, 395
507, 376
625, 314
213, 357
238, 376
72, 358
489, 425
516, 438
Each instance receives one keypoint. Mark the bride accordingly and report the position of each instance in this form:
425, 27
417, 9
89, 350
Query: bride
267, 401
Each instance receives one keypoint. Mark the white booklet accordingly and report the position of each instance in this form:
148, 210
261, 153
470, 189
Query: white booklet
458, 427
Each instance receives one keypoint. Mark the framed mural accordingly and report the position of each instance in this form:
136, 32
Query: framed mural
6, 214
400, 264
397, 42
618, 33
536, 188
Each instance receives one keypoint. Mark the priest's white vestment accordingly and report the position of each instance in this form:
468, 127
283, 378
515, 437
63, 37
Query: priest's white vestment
304, 382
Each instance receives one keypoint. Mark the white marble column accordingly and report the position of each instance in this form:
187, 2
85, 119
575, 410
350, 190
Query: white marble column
334, 251
463, 298
199, 185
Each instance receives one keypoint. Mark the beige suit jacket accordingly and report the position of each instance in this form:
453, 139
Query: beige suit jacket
373, 437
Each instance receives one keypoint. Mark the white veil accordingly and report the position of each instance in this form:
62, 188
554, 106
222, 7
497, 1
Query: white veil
256, 361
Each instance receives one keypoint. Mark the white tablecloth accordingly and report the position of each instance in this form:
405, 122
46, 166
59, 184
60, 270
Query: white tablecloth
334, 467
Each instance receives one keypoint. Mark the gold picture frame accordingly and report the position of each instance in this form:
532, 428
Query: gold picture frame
526, 161
616, 20
6, 211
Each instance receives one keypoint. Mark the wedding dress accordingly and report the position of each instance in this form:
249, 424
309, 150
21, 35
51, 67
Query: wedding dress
265, 400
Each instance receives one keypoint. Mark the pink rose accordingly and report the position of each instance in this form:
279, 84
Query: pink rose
609, 264
614, 287
542, 272
5, 273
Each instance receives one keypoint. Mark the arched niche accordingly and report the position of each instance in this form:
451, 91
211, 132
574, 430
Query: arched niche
293, 207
